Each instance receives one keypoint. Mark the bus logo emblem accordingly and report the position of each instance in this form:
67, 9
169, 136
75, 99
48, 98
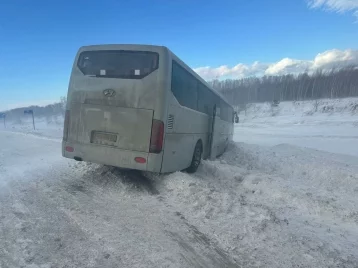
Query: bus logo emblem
109, 93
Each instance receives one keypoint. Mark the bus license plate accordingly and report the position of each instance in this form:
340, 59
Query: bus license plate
104, 138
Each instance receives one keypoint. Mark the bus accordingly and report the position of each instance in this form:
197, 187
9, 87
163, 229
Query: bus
140, 107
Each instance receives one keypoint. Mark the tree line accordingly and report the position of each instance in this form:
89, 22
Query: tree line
336, 83
56, 109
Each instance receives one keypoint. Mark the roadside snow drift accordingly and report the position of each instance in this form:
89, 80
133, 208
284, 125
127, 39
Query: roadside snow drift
274, 207
327, 125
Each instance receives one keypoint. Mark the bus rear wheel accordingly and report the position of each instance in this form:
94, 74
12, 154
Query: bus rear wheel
196, 160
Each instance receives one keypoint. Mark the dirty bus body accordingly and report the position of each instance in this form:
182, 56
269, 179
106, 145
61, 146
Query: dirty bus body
140, 107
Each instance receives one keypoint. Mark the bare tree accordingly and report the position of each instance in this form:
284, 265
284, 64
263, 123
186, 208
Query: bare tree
336, 83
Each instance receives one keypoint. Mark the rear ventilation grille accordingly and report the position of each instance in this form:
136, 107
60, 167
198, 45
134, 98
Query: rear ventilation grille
170, 121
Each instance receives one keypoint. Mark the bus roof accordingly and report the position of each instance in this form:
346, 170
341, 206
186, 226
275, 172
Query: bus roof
123, 46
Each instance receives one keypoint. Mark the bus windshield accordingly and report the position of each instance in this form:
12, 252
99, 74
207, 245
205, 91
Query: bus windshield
118, 63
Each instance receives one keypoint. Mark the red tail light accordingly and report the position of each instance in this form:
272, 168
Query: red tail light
140, 160
156, 140
70, 149
66, 125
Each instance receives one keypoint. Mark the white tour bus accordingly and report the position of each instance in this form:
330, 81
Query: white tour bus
140, 107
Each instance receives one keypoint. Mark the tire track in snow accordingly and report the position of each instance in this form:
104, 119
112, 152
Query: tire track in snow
96, 218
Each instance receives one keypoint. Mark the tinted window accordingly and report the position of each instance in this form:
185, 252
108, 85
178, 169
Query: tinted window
227, 112
184, 87
191, 93
118, 63
206, 99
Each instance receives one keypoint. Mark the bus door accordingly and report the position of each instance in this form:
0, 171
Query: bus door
214, 135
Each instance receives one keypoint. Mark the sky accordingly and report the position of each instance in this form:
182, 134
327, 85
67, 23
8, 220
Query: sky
218, 39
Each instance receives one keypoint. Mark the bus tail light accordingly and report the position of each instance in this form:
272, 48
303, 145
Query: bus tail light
69, 149
66, 125
156, 139
140, 160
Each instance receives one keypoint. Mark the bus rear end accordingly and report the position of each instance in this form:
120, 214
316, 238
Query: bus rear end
115, 106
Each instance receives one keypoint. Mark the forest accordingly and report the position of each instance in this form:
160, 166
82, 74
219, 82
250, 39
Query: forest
56, 109
336, 83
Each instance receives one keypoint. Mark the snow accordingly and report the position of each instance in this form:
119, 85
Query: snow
50, 127
333, 128
22, 153
61, 213
274, 207
269, 201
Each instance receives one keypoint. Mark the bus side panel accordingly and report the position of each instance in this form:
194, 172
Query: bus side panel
185, 129
177, 144
154, 163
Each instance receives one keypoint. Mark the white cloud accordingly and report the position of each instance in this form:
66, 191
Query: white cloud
326, 61
336, 5
238, 71
335, 59
288, 65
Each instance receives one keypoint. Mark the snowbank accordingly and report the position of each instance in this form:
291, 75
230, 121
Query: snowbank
327, 107
273, 207
45, 126
333, 128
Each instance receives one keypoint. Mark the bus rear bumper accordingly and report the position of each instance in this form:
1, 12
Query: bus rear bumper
111, 156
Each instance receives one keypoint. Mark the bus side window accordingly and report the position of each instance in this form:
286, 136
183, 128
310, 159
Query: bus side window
184, 87
205, 99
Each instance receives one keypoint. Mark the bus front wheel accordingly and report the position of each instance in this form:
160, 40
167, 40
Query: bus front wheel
196, 160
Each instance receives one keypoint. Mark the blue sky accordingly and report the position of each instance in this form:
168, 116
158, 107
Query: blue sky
39, 38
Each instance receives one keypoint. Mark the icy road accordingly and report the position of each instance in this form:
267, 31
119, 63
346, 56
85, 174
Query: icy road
256, 206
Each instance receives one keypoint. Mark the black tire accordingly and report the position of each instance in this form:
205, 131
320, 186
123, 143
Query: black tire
196, 160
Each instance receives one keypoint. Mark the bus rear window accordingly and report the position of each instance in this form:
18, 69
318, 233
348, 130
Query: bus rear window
118, 63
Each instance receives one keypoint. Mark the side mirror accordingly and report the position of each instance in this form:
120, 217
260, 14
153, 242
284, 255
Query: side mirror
236, 118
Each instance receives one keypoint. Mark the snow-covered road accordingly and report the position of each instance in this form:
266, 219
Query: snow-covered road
256, 206
58, 213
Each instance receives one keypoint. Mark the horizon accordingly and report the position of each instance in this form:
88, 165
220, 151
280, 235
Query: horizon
217, 84
244, 39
